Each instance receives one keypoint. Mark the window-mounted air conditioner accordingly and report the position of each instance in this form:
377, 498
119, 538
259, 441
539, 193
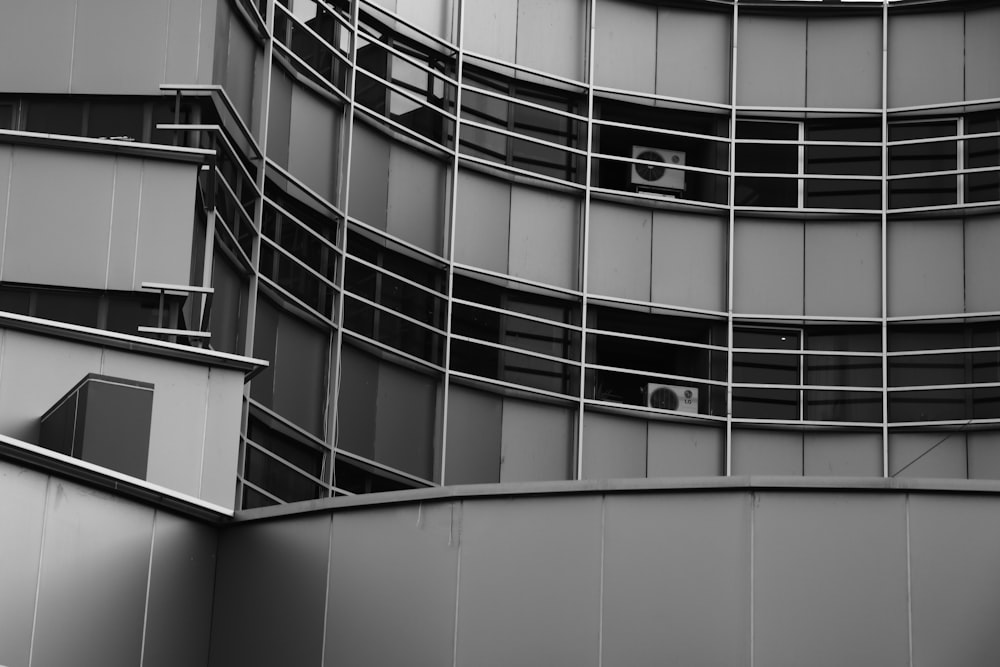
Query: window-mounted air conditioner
656, 177
672, 397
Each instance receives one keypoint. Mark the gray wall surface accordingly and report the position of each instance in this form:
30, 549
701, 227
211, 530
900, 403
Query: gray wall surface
705, 576
92, 580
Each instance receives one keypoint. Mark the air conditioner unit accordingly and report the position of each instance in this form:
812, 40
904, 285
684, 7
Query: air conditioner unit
672, 397
655, 177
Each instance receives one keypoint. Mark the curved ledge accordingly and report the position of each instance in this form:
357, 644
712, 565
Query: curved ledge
664, 486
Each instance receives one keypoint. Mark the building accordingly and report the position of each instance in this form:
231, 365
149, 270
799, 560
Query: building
475, 332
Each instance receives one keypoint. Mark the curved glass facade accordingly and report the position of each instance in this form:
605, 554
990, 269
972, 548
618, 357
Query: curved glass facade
612, 239
489, 241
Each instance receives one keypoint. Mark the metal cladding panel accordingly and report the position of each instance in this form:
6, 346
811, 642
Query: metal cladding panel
179, 600
92, 582
41, 36
925, 267
393, 576
843, 269
119, 46
544, 236
613, 447
771, 61
537, 442
22, 508
830, 579
184, 29
434, 16
24, 360
314, 129
279, 116
766, 452
676, 580
530, 582
982, 271
625, 46
75, 254
166, 223
491, 28
369, 200
768, 267
925, 58
482, 221
692, 273
928, 455
685, 450
127, 193
551, 37
844, 62
356, 407
954, 551
982, 53
619, 249
270, 593
842, 454
416, 197
473, 448
405, 423
693, 53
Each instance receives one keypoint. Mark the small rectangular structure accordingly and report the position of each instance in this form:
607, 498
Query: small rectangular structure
102, 420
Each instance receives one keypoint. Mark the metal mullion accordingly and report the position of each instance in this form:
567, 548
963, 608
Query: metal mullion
344, 172
730, 257
884, 237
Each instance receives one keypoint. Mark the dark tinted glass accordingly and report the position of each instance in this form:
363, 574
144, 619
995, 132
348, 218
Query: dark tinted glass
55, 117
116, 120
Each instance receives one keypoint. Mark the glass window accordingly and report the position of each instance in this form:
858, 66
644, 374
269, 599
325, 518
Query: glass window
634, 362
55, 116
636, 143
275, 461
116, 120
767, 158
920, 158
982, 152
